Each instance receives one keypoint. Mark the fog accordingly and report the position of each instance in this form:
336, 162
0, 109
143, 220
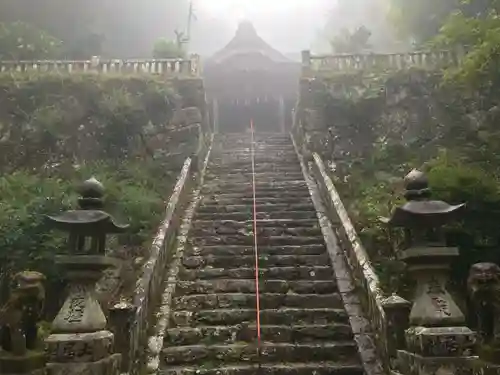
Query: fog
289, 28
129, 29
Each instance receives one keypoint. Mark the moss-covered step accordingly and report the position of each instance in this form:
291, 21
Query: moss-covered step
310, 368
217, 251
248, 286
284, 316
248, 215
267, 300
277, 273
247, 333
338, 351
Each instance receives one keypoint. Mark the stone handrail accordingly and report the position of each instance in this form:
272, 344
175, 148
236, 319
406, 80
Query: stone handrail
189, 66
364, 275
366, 61
130, 322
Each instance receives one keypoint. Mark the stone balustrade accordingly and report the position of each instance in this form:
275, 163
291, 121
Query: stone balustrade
189, 66
130, 321
386, 315
366, 61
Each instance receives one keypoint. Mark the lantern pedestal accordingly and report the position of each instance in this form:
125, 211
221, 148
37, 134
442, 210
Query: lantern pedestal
437, 343
80, 343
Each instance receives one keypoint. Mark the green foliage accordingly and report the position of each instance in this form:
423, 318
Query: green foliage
167, 49
20, 41
85, 117
133, 196
59, 130
418, 121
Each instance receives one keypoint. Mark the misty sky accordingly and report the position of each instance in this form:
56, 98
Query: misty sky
288, 25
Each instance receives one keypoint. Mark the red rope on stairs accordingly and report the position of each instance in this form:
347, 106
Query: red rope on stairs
256, 249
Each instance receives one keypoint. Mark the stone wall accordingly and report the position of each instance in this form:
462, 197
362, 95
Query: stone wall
183, 142
337, 120
343, 116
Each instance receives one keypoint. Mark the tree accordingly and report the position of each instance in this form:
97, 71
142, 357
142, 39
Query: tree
420, 20
20, 41
167, 49
351, 42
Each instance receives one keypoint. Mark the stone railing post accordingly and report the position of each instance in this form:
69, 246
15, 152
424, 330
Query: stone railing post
80, 342
121, 320
306, 62
437, 342
397, 312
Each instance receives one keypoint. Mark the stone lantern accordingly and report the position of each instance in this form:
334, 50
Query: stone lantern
80, 342
437, 342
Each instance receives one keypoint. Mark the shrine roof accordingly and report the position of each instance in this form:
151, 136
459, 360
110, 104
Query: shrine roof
247, 42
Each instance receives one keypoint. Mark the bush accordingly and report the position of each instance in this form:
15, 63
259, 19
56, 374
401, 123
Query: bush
50, 120
57, 130
28, 242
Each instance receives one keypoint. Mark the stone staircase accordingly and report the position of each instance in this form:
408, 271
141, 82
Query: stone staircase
212, 330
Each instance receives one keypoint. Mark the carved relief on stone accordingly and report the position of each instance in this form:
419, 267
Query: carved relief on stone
483, 286
21, 313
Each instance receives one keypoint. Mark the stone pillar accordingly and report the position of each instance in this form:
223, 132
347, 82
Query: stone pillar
397, 312
306, 62
215, 110
21, 351
282, 114
437, 342
121, 320
483, 287
80, 342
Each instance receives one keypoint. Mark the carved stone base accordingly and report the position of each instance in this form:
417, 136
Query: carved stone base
26, 364
106, 366
79, 347
441, 341
415, 364
438, 351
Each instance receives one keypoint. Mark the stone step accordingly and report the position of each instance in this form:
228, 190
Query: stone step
240, 167
280, 155
221, 208
267, 301
304, 193
247, 261
258, 175
211, 180
272, 223
277, 273
266, 162
243, 216
227, 231
246, 148
284, 316
318, 287
236, 251
339, 351
238, 143
248, 239
247, 333
309, 368
284, 199
232, 187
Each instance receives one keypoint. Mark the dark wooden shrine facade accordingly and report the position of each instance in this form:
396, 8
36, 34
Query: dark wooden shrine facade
249, 81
